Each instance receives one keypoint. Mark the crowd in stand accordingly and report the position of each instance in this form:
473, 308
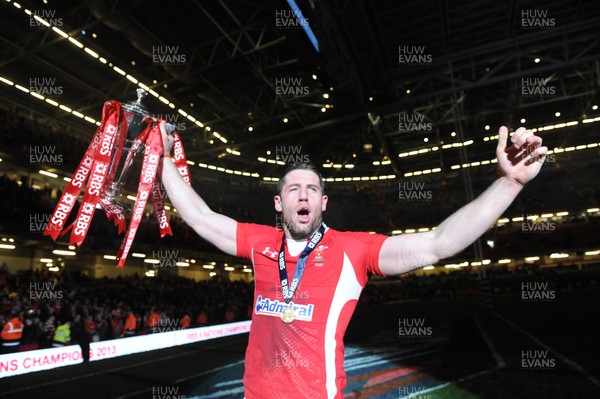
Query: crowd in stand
61, 308
103, 309
466, 283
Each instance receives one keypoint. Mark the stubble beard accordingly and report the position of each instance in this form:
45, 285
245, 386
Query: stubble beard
298, 231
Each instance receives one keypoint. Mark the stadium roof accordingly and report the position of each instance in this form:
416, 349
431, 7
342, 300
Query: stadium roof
386, 76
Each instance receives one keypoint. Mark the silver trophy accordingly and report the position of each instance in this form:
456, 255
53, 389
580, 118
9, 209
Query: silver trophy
136, 118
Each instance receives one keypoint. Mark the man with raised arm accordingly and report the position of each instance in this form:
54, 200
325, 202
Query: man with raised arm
308, 277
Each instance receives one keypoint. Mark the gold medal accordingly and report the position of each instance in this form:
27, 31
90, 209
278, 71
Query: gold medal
288, 315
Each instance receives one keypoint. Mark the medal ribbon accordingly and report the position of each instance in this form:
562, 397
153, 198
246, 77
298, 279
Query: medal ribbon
288, 290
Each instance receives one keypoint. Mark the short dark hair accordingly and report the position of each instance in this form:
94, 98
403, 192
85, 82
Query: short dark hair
300, 166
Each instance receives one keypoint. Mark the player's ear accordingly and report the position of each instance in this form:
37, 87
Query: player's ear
277, 200
324, 203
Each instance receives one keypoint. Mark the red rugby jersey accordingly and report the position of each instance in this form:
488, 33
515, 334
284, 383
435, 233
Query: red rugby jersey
303, 359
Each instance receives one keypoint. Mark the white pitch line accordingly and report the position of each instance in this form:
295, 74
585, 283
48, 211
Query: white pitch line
565, 359
499, 361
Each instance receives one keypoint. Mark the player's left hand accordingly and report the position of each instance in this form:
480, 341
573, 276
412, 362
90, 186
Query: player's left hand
523, 160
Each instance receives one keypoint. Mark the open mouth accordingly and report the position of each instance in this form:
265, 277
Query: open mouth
303, 215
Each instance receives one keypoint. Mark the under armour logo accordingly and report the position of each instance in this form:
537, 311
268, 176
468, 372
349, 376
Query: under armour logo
267, 251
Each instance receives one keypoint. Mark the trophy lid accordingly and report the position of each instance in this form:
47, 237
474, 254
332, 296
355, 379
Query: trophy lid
137, 107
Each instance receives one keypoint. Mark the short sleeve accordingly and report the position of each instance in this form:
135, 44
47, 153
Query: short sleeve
363, 250
248, 234
374, 242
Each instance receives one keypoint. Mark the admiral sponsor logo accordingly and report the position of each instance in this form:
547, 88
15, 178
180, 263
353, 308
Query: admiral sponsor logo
270, 307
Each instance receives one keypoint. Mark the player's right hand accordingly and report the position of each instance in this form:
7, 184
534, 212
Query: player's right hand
167, 139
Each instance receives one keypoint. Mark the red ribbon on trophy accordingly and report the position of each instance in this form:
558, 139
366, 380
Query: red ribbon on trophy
101, 164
